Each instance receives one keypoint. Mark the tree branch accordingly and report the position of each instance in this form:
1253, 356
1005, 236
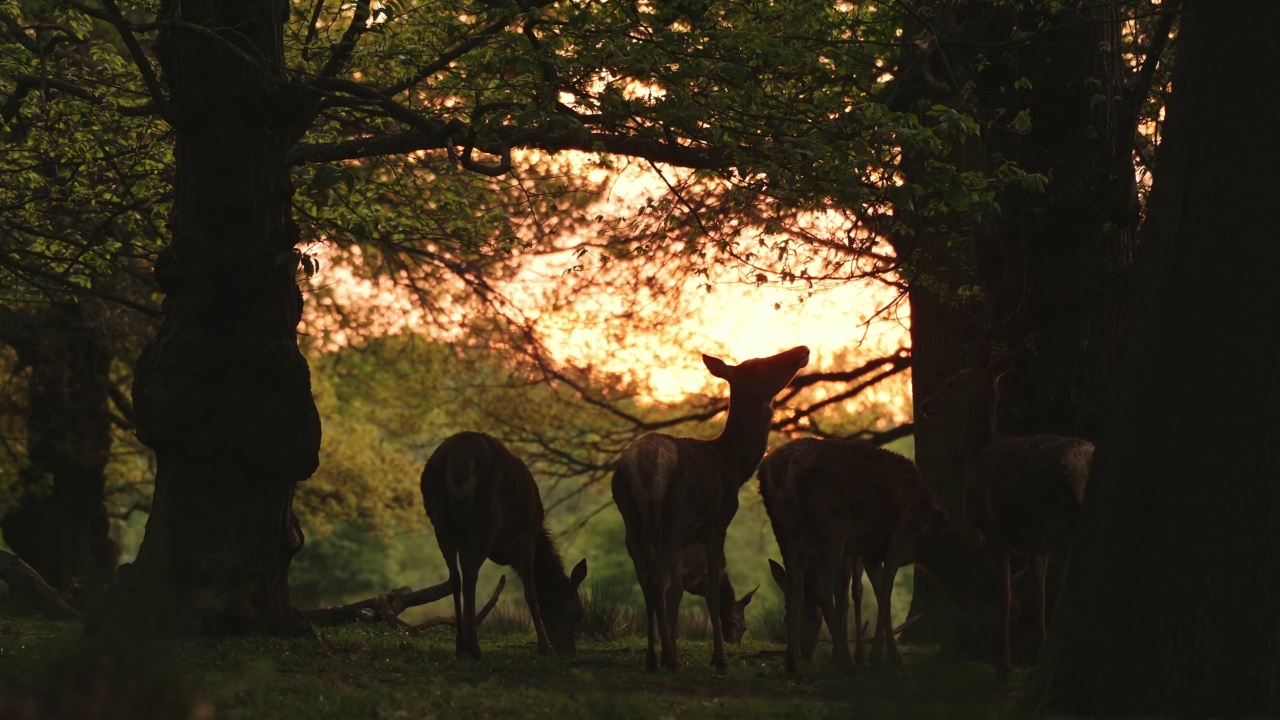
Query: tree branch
113, 15
342, 50
30, 594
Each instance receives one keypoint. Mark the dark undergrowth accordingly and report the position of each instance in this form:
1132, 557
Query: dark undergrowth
47, 671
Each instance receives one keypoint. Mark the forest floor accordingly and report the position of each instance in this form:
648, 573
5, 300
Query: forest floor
47, 671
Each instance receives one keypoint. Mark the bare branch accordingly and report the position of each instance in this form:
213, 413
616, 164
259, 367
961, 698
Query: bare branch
29, 593
480, 616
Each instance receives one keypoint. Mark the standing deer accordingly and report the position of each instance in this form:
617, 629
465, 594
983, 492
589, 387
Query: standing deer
484, 503
1023, 493
733, 613
811, 614
833, 503
674, 493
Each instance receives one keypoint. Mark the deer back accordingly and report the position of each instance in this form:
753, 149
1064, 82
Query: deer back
482, 496
673, 489
1026, 491
821, 486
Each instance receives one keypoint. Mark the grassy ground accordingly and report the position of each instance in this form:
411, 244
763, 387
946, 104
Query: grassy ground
46, 671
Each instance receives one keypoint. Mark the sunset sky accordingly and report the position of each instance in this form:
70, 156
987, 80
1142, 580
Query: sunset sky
737, 320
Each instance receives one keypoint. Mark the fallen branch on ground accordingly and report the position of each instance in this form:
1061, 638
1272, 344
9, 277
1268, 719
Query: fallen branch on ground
29, 594
480, 616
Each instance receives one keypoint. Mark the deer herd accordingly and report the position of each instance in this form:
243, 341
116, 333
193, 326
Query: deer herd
837, 508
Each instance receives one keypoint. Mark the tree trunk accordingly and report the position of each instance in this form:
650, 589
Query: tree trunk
1170, 607
222, 393
60, 525
1055, 264
945, 321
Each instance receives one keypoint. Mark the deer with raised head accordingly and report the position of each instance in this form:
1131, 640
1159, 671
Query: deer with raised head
733, 610
833, 503
676, 492
1023, 493
484, 504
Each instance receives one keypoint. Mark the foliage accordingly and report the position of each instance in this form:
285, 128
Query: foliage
359, 671
345, 563
85, 171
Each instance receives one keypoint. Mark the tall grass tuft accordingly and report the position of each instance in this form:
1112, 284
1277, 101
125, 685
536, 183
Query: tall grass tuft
610, 608
508, 618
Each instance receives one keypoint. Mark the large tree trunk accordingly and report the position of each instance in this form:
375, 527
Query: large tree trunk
1170, 607
222, 393
60, 526
1055, 264
1052, 265
938, 266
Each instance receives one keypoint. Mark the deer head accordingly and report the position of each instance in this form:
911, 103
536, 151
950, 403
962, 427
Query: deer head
972, 387
562, 610
810, 621
733, 618
756, 381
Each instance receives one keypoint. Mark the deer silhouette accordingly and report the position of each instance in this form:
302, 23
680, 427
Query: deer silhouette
675, 493
835, 503
1023, 493
484, 504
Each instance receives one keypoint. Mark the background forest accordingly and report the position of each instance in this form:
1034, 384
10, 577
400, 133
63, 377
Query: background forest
258, 259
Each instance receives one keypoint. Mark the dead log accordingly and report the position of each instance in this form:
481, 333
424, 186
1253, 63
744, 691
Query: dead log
480, 616
387, 608
29, 594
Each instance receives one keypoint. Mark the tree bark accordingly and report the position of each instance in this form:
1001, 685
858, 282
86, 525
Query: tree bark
222, 393
1055, 264
1170, 605
60, 526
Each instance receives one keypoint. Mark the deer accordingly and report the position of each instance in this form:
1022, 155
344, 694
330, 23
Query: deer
679, 492
1023, 493
810, 618
838, 503
733, 613
484, 504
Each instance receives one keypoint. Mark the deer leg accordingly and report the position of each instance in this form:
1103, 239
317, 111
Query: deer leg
834, 606
715, 566
642, 559
897, 555
1039, 576
470, 572
876, 573
526, 573
451, 559
855, 582
670, 591
793, 602
1004, 660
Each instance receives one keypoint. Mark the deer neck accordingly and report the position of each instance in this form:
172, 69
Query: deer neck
548, 567
745, 437
952, 558
980, 426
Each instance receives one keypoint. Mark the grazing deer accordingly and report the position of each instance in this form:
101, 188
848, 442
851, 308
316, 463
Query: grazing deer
733, 613
833, 503
484, 503
1023, 493
675, 493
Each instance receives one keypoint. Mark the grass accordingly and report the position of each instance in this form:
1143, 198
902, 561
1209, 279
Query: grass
373, 672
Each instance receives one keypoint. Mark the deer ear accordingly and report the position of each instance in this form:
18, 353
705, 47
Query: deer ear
717, 367
746, 599
779, 574
579, 573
